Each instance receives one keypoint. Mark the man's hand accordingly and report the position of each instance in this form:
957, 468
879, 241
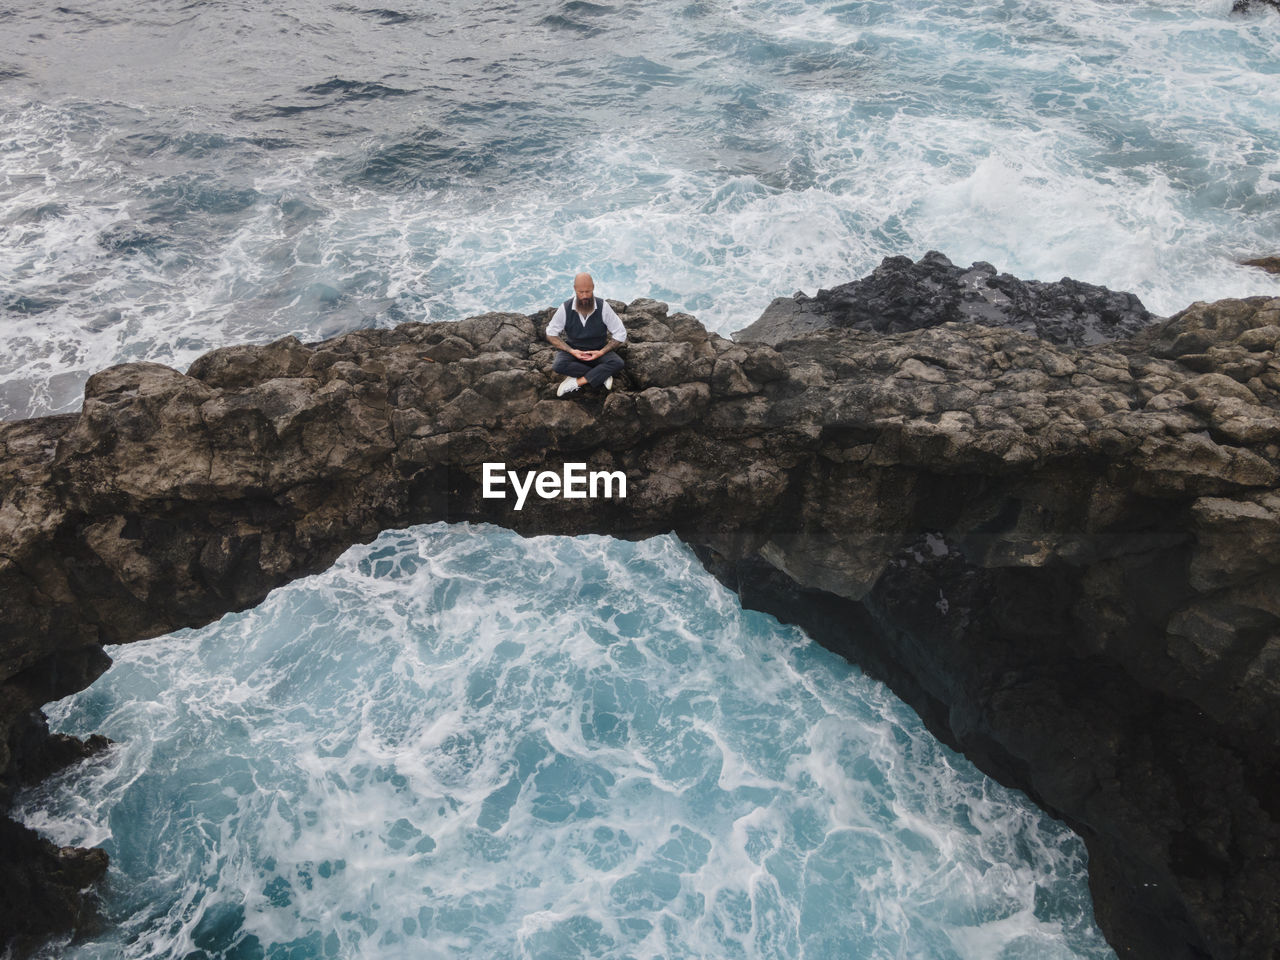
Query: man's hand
586, 356
561, 345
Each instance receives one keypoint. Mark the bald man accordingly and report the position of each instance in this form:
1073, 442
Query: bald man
585, 331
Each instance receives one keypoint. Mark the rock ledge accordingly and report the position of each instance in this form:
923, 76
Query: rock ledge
1065, 557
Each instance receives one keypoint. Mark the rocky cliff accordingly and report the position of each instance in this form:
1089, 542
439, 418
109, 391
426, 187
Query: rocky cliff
1065, 557
900, 296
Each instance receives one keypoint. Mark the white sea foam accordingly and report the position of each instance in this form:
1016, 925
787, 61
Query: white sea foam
628, 764
785, 146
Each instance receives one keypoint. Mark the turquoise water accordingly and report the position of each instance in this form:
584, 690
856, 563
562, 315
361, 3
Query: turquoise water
458, 743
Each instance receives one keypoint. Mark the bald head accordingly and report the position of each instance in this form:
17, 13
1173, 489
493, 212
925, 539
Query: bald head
584, 288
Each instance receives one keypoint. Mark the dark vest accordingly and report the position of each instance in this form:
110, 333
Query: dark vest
590, 334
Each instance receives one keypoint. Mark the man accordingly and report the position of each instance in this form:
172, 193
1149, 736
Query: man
585, 331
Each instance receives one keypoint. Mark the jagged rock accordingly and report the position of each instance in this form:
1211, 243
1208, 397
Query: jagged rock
1269, 264
43, 886
901, 295
1248, 6
1063, 557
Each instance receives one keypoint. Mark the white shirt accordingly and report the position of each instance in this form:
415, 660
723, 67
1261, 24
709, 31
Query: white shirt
611, 321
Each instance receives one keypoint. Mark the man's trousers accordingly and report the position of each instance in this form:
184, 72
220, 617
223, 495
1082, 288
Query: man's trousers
596, 371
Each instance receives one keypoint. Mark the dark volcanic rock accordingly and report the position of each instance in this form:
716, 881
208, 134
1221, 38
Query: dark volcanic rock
1269, 264
900, 296
1067, 559
1248, 6
42, 886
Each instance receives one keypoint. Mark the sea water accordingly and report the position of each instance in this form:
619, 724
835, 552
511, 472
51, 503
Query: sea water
177, 175
461, 743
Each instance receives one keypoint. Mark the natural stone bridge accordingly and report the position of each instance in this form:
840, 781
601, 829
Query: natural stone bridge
1103, 524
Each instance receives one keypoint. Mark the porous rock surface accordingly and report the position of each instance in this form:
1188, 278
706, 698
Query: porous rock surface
1066, 558
901, 295
1241, 7
1269, 264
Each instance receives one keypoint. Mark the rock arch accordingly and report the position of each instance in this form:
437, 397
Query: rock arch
1066, 559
